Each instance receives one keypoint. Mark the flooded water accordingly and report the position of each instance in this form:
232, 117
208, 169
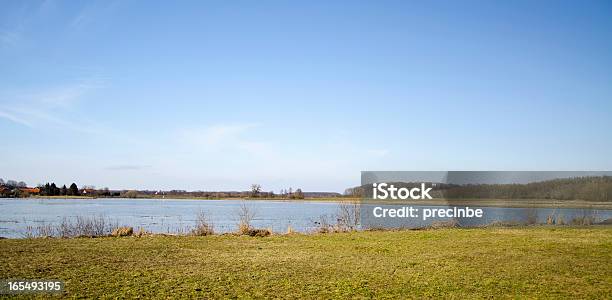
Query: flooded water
172, 215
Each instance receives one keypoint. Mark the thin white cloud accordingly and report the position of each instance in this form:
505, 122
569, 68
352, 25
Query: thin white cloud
378, 152
225, 137
23, 17
223, 132
14, 118
128, 167
41, 109
93, 12
33, 116
46, 6
67, 95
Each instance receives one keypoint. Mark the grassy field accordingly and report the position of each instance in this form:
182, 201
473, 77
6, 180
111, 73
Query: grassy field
542, 262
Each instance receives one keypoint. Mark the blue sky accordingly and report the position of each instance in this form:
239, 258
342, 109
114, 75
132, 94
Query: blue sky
216, 95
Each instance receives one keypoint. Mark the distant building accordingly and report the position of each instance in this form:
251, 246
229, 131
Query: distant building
30, 190
88, 191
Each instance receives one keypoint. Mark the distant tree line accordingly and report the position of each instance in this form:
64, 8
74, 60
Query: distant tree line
357, 191
591, 188
290, 194
594, 188
53, 190
12, 188
12, 184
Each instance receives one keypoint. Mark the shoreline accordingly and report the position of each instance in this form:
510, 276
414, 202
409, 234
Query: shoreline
316, 232
508, 203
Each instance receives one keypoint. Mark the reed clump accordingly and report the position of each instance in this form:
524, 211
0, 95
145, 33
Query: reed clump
258, 232
141, 232
203, 226
122, 231
45, 230
346, 219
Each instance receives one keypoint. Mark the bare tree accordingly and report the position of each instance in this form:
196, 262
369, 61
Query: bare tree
354, 192
245, 216
348, 215
298, 194
131, 194
255, 190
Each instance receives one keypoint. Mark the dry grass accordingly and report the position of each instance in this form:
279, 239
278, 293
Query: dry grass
43, 230
203, 226
141, 232
85, 227
257, 232
122, 231
93, 226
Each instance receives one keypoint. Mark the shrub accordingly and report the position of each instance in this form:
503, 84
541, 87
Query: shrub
130, 194
322, 225
348, 216
203, 225
532, 216
347, 219
141, 232
245, 216
85, 227
259, 232
40, 231
589, 217
122, 231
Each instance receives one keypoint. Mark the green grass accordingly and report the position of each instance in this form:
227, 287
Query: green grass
532, 262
